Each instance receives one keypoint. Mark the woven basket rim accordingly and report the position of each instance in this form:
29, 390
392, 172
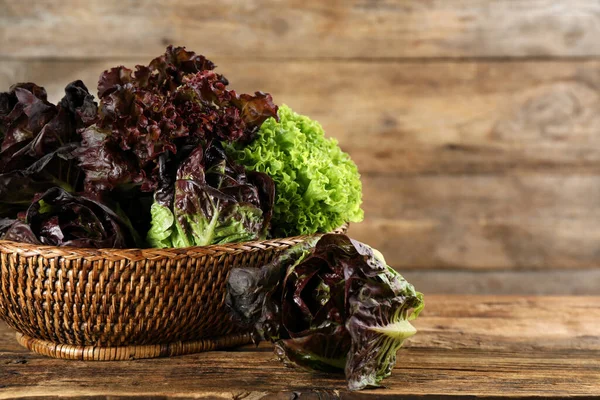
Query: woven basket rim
28, 249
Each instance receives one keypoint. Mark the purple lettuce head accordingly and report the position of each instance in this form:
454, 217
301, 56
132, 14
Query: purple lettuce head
330, 305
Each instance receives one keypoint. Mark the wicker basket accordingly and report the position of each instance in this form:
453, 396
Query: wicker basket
107, 304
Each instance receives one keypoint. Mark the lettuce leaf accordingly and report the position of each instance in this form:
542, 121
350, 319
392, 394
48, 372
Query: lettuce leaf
168, 107
212, 201
317, 185
17, 231
331, 306
58, 218
38, 140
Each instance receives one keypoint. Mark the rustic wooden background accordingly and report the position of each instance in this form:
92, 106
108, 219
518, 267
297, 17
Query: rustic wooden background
474, 123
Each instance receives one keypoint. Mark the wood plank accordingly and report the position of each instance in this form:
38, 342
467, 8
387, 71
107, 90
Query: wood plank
516, 221
519, 197
482, 245
480, 346
582, 282
415, 118
364, 29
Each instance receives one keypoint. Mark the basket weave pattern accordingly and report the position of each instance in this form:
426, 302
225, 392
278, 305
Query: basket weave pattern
153, 302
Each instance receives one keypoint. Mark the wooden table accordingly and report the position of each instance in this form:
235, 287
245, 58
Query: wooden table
482, 346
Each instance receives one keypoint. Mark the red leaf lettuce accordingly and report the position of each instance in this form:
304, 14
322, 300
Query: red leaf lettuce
58, 218
38, 140
174, 103
333, 305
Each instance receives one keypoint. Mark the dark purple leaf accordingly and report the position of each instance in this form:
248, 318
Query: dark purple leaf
105, 165
59, 218
29, 114
80, 104
17, 231
332, 305
18, 187
112, 79
38, 142
151, 116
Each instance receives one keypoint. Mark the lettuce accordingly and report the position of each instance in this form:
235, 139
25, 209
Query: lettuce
170, 106
37, 142
211, 201
150, 121
317, 185
58, 218
333, 305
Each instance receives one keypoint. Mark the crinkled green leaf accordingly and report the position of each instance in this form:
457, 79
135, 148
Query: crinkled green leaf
317, 185
163, 227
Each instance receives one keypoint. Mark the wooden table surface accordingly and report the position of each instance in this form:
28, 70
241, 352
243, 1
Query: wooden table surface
481, 346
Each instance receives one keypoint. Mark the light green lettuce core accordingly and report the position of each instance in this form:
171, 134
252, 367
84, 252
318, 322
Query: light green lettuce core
317, 185
166, 231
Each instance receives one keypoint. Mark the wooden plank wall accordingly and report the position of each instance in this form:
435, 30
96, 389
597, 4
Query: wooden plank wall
474, 123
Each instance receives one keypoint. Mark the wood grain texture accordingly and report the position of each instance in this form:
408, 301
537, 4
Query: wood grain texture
480, 346
365, 29
520, 221
582, 282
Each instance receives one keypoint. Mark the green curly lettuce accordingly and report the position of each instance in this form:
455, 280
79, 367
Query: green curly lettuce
317, 185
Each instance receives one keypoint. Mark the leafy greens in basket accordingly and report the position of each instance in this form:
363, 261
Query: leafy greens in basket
212, 201
176, 154
171, 157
